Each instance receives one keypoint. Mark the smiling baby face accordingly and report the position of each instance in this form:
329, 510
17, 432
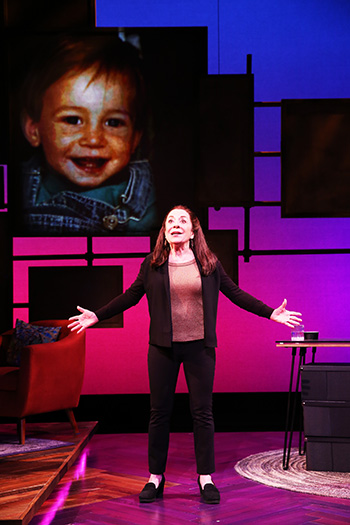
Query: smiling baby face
86, 127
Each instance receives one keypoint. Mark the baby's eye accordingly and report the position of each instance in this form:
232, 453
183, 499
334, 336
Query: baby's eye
115, 122
72, 120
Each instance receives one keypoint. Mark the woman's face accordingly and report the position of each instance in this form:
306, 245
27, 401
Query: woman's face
178, 227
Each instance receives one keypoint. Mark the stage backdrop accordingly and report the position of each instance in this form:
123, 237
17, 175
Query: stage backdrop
297, 52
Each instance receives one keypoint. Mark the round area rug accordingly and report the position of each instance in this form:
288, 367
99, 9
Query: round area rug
266, 468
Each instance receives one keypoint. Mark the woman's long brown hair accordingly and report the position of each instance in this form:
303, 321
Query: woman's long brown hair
201, 250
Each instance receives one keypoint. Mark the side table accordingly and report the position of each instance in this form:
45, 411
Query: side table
291, 406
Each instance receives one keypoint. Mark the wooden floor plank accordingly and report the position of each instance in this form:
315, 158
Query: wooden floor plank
27, 480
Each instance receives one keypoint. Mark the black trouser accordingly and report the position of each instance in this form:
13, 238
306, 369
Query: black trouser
163, 368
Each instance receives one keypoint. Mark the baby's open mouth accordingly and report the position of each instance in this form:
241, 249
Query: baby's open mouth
90, 164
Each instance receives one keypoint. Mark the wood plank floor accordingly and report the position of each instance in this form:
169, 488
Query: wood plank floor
102, 487
27, 480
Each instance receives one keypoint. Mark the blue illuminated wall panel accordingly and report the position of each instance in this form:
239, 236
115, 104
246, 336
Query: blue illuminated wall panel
299, 48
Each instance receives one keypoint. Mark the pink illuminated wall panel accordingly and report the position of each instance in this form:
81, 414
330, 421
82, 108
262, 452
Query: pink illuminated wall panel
116, 245
270, 232
26, 246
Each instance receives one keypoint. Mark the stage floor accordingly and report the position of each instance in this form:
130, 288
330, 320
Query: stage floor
103, 484
27, 479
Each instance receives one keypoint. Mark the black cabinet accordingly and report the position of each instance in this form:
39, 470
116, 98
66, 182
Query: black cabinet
325, 392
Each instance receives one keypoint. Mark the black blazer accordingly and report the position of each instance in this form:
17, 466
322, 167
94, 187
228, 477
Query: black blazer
155, 284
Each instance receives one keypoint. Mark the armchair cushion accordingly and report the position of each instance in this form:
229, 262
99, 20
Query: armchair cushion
28, 334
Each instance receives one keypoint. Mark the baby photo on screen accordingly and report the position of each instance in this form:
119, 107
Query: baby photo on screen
85, 129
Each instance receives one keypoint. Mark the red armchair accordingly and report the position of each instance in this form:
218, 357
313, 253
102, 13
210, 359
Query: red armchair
49, 378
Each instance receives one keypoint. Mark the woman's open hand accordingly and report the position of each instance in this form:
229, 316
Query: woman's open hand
283, 316
82, 321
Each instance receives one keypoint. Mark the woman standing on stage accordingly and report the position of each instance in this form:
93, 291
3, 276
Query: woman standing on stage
182, 279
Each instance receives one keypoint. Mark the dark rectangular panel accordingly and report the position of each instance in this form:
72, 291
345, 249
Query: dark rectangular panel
224, 243
52, 14
328, 454
226, 140
55, 292
325, 382
326, 419
315, 158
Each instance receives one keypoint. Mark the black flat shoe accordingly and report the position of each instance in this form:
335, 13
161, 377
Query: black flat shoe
210, 493
150, 493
